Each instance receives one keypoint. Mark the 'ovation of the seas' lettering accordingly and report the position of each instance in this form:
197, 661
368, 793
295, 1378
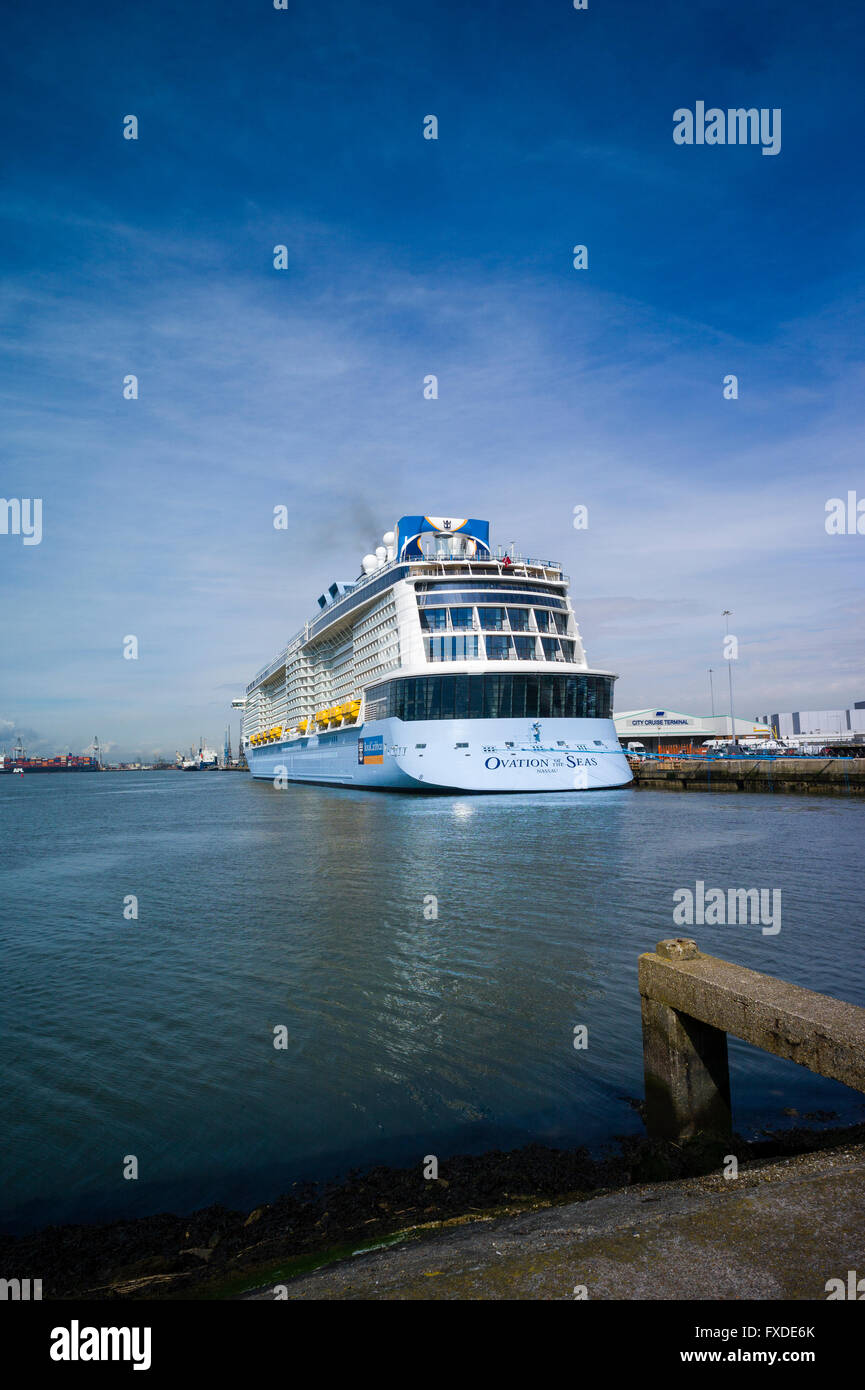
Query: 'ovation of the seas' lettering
570, 761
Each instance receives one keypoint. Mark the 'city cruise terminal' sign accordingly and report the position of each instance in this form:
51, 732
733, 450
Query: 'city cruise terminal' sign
661, 721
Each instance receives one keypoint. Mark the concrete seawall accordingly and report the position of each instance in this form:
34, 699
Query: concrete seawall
814, 776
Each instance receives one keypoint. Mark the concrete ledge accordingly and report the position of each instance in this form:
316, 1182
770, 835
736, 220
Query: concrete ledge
823, 1034
821, 776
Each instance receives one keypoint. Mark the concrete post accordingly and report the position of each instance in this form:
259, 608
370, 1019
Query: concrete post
692, 1001
685, 1063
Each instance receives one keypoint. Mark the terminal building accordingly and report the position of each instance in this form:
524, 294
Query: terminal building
670, 731
824, 726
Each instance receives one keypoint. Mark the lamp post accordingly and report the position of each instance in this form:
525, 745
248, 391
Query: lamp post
727, 613
711, 692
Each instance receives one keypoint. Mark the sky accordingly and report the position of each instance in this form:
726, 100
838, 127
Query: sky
558, 387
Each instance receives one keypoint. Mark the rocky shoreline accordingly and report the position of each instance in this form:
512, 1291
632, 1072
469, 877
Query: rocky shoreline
218, 1253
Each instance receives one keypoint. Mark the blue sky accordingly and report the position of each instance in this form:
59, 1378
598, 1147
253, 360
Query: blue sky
557, 387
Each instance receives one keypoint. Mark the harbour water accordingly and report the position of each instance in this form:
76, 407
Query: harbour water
413, 1026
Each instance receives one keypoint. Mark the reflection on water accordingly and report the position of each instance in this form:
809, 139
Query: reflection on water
428, 956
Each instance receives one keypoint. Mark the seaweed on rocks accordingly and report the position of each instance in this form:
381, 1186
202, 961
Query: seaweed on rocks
215, 1250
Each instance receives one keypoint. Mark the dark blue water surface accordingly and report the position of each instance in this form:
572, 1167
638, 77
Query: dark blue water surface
406, 1035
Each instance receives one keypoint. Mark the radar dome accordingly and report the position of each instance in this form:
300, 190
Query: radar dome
369, 563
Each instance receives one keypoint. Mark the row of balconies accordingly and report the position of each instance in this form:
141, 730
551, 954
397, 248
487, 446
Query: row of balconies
531, 629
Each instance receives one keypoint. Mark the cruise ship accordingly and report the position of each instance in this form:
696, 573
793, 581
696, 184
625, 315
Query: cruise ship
443, 666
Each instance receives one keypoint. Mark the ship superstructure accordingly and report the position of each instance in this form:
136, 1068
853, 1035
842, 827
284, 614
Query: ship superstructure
444, 665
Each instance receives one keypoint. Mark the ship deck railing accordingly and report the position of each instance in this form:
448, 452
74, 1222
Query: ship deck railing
443, 566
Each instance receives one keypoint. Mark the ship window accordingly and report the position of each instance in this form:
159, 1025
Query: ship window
460, 745
557, 689
461, 696
525, 648
498, 647
561, 622
492, 619
544, 619
433, 618
517, 590
475, 703
420, 745
461, 618
518, 619
452, 648
492, 695
499, 595
551, 648
567, 647
446, 686
532, 687
376, 703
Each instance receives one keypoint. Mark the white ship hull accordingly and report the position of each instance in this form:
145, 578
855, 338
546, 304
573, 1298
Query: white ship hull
472, 755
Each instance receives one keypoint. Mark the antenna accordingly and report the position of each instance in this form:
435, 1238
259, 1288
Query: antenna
727, 613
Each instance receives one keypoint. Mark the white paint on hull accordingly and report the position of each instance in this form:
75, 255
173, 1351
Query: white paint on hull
480, 755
